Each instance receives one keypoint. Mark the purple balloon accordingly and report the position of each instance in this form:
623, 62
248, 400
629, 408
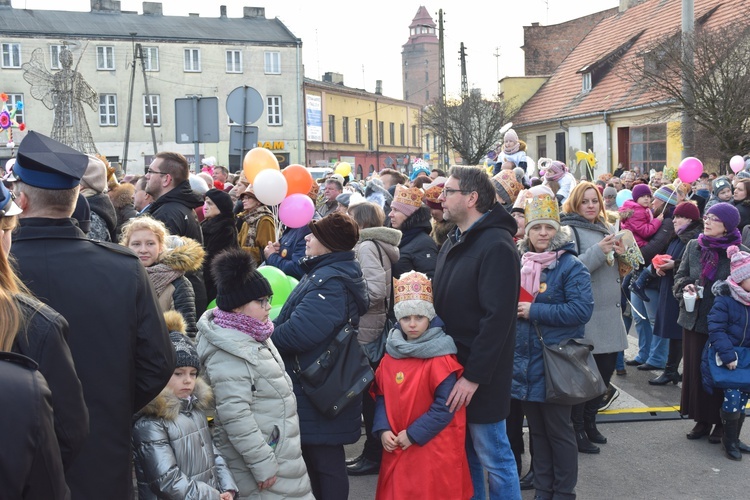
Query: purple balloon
296, 210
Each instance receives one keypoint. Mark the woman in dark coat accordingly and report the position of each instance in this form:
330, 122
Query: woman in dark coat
219, 233
742, 202
703, 263
418, 251
332, 293
688, 225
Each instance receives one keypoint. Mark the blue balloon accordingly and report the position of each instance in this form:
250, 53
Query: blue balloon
623, 196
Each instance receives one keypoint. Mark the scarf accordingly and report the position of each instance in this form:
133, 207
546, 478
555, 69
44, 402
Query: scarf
259, 330
251, 219
738, 293
532, 265
710, 254
513, 149
161, 275
433, 343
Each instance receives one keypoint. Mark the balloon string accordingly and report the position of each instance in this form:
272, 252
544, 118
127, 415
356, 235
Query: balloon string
277, 226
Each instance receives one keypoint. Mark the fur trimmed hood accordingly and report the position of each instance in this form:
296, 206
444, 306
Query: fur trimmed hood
563, 240
187, 257
168, 406
420, 218
720, 287
384, 234
122, 195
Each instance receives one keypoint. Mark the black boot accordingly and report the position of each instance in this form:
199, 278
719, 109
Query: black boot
670, 375
584, 445
527, 481
592, 432
730, 438
742, 446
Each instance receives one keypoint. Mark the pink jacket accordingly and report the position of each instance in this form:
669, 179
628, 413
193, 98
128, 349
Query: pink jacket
639, 220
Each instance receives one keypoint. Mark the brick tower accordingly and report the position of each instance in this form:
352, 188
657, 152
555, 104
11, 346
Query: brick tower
419, 60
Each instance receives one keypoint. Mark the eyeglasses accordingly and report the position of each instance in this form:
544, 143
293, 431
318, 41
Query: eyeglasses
264, 301
448, 191
711, 218
150, 171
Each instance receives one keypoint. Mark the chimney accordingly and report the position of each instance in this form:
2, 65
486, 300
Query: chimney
193, 14
223, 10
626, 4
254, 12
5, 3
105, 6
379, 87
152, 9
335, 78
535, 25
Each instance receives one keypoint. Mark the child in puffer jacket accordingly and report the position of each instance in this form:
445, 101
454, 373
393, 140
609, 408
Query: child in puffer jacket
636, 215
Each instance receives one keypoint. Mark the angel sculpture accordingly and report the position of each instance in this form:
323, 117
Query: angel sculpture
63, 92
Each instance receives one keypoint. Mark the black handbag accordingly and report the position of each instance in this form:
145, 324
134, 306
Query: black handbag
570, 372
339, 375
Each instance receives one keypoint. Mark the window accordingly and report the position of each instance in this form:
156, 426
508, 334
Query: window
152, 102
234, 61
274, 109
392, 130
105, 58
345, 128
150, 58
381, 133
11, 55
427, 142
586, 77
403, 134
108, 110
12, 100
358, 130
541, 146
272, 63
192, 60
648, 147
331, 128
414, 136
54, 56
587, 141
370, 141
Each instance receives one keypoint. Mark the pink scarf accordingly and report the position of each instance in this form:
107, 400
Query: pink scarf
738, 293
532, 265
259, 330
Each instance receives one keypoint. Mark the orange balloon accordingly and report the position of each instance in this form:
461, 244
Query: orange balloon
298, 179
258, 159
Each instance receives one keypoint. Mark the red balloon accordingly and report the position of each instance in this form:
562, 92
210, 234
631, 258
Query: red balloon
298, 179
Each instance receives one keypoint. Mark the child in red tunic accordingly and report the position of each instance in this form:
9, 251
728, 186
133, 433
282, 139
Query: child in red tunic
424, 454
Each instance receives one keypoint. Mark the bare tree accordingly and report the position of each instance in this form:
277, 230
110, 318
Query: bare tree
719, 82
469, 126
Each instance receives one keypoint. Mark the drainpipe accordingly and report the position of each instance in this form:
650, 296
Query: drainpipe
302, 158
609, 142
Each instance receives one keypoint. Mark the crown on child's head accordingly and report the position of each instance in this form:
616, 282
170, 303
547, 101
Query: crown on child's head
412, 286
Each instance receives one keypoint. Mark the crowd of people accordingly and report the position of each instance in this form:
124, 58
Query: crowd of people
133, 312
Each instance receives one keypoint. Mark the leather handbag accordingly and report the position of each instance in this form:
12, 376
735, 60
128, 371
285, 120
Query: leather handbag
570, 373
339, 375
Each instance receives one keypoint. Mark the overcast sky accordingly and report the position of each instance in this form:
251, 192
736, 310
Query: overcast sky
365, 43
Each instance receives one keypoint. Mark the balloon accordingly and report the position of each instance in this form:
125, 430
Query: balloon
279, 282
298, 179
257, 160
690, 169
623, 196
343, 169
737, 163
296, 210
211, 305
274, 313
270, 187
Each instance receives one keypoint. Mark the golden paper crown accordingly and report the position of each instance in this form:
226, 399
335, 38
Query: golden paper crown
412, 286
542, 210
432, 193
408, 196
507, 179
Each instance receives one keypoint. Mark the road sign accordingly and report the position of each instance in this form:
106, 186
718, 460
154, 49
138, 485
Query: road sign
244, 105
196, 120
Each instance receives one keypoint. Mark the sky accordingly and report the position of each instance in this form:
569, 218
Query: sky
364, 43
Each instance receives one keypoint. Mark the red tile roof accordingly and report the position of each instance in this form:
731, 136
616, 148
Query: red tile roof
562, 97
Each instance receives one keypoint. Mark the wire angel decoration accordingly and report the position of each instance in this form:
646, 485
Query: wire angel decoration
64, 92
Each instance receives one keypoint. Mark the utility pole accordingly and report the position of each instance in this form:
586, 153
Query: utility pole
497, 64
139, 51
464, 82
130, 110
688, 31
441, 63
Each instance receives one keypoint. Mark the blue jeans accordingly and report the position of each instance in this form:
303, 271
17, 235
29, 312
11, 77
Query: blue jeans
487, 448
651, 349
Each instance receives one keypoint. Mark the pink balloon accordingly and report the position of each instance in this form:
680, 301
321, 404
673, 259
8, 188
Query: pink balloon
737, 163
690, 169
296, 210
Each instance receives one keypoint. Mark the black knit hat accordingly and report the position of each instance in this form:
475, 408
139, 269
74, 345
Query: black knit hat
237, 280
185, 351
222, 201
336, 231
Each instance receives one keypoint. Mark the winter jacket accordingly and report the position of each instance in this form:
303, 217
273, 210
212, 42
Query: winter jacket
291, 251
265, 231
639, 220
743, 207
689, 274
175, 209
43, 339
31, 466
418, 251
376, 268
173, 452
122, 200
475, 291
102, 206
561, 312
605, 329
332, 292
119, 341
658, 242
254, 400
219, 233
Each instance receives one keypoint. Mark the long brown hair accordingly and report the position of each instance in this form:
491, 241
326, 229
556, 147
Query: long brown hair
11, 316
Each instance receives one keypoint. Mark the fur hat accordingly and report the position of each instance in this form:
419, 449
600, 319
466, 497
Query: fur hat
222, 201
412, 296
666, 193
507, 186
95, 176
542, 210
687, 209
727, 214
336, 231
407, 200
237, 279
739, 265
641, 190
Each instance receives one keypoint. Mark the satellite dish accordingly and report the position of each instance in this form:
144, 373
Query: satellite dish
506, 127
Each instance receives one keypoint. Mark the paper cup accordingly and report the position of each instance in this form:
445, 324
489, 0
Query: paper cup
689, 299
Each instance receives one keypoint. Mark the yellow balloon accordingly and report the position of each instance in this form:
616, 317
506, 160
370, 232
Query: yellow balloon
258, 159
343, 169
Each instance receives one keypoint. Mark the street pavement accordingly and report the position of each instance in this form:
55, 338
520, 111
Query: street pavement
647, 455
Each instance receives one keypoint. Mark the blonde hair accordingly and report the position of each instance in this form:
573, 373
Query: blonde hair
11, 315
144, 223
573, 203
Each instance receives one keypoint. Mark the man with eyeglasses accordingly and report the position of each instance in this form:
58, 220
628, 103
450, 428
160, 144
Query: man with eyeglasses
476, 288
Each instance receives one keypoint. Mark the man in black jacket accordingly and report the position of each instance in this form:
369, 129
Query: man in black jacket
118, 338
476, 288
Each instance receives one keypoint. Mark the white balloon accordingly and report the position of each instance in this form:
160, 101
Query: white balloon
270, 187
